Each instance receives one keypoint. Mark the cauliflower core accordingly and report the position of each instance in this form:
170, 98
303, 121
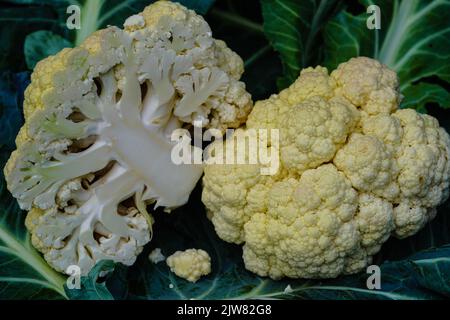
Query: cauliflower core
96, 145
354, 170
190, 264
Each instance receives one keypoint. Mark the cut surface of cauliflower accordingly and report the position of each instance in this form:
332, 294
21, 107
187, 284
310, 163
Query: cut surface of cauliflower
354, 170
96, 146
190, 264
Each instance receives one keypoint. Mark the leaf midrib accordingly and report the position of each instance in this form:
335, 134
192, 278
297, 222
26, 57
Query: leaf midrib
394, 37
55, 281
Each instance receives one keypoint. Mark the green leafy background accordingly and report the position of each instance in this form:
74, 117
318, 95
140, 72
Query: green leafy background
276, 39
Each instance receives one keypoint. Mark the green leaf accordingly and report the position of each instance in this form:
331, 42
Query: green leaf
41, 44
11, 97
419, 95
16, 22
238, 24
24, 274
294, 29
414, 40
200, 6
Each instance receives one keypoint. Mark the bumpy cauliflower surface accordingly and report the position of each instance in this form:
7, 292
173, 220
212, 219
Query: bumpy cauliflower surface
96, 145
354, 170
190, 264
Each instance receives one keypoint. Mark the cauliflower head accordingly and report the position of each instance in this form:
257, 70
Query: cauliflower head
95, 149
190, 264
354, 170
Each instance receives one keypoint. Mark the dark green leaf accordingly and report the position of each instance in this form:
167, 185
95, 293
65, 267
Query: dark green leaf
200, 6
16, 22
421, 94
414, 40
11, 96
294, 29
41, 44
239, 25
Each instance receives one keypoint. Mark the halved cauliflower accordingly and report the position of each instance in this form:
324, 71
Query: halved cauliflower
353, 171
96, 145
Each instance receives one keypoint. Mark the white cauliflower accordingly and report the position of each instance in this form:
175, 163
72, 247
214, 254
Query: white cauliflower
353, 171
96, 146
190, 264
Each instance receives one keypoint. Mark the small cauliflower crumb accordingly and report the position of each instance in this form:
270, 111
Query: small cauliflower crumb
156, 256
288, 289
190, 264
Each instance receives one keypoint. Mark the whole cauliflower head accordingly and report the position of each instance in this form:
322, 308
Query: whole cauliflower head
353, 170
190, 264
96, 146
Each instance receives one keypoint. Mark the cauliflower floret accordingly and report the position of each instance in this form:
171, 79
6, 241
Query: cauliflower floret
305, 225
231, 198
314, 131
267, 113
375, 221
410, 216
96, 147
190, 264
368, 165
422, 158
384, 127
311, 82
353, 171
368, 84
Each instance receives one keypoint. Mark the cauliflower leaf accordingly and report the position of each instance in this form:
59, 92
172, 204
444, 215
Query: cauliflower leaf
413, 41
294, 29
